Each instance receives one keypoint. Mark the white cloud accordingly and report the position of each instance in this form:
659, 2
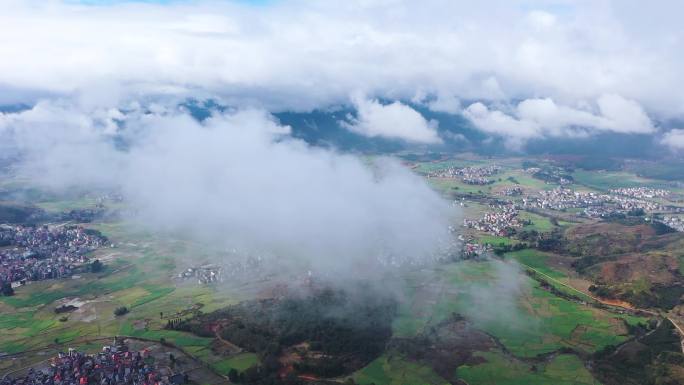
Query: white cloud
536, 118
237, 182
541, 19
395, 120
622, 115
445, 103
674, 139
501, 124
303, 55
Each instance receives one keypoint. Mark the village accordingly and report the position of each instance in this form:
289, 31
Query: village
503, 217
562, 198
115, 364
469, 175
44, 252
500, 222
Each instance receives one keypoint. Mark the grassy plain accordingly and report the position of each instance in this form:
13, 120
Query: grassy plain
510, 306
564, 369
394, 370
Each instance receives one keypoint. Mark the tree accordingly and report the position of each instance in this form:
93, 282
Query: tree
233, 375
96, 266
120, 310
7, 289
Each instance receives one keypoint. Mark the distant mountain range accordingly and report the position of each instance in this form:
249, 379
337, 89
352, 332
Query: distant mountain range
323, 128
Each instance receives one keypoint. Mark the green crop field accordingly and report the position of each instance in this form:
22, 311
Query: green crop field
240, 362
606, 180
494, 240
530, 322
537, 260
427, 167
564, 369
392, 370
139, 278
539, 223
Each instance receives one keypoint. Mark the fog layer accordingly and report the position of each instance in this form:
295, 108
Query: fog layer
237, 180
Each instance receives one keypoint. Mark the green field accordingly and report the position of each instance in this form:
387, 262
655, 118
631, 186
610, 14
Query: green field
427, 167
392, 370
527, 319
494, 240
139, 278
240, 362
537, 260
539, 223
606, 180
564, 369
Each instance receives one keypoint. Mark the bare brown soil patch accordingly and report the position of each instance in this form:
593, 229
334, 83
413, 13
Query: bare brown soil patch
655, 268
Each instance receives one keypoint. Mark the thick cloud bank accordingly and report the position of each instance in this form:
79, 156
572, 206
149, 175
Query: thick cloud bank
580, 67
534, 118
237, 180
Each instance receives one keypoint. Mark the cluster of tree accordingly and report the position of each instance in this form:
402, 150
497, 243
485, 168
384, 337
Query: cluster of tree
20, 214
656, 296
552, 175
7, 289
173, 323
552, 241
503, 248
343, 331
96, 266
655, 358
83, 215
121, 310
65, 309
661, 228
601, 291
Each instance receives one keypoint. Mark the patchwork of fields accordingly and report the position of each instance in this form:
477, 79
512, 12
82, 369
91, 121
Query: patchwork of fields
540, 320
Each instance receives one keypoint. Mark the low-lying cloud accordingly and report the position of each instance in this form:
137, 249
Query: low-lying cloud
237, 180
395, 121
674, 139
538, 118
